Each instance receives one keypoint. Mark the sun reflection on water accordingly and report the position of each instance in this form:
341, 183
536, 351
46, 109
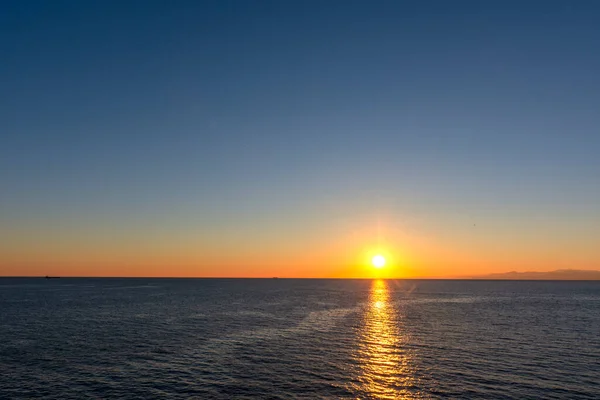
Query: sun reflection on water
385, 365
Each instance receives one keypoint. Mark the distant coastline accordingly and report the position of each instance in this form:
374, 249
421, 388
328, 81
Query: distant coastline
559, 275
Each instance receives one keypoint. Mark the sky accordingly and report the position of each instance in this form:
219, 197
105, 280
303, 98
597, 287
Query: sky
298, 138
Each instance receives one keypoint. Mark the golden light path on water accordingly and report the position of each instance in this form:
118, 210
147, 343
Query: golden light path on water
385, 364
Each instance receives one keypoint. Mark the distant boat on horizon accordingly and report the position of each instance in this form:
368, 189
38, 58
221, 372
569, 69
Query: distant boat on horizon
52, 277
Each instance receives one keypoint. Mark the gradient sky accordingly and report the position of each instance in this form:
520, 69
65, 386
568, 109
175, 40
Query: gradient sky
281, 138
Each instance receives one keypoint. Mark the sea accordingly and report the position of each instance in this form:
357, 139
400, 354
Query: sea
298, 339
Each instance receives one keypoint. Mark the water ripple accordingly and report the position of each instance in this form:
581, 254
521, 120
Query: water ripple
295, 339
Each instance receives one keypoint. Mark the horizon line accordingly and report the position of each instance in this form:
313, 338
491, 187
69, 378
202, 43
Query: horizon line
297, 278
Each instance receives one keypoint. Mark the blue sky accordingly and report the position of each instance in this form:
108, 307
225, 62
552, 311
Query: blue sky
231, 116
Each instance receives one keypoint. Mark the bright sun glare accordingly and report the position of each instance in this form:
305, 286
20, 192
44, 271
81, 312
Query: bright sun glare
378, 261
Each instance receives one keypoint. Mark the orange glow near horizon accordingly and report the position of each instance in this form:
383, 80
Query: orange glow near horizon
347, 252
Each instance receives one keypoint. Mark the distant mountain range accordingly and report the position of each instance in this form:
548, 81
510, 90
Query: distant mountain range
559, 274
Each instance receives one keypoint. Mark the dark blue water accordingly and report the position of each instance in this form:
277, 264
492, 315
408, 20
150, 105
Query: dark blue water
278, 338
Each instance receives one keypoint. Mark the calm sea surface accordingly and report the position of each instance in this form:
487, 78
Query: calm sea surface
288, 339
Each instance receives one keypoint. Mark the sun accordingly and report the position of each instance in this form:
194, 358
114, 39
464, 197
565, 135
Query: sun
378, 261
